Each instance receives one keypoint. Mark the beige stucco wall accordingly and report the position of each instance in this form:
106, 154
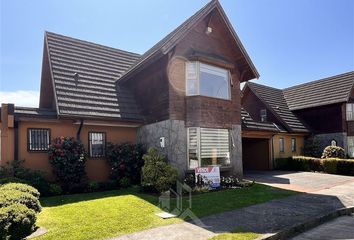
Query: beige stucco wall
287, 145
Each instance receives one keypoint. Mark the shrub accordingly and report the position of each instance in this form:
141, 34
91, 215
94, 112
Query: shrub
21, 187
9, 197
55, 189
67, 157
312, 147
124, 182
16, 221
330, 166
157, 172
190, 180
11, 180
108, 185
229, 181
125, 161
333, 152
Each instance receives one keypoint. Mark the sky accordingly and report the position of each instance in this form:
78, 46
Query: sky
290, 42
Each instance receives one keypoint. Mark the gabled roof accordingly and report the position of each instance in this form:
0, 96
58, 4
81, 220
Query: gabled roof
167, 43
249, 124
94, 93
274, 99
322, 92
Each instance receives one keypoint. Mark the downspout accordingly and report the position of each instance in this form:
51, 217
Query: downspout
79, 130
16, 139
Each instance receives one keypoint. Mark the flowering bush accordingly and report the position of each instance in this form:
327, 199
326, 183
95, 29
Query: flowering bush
125, 161
229, 182
67, 157
333, 152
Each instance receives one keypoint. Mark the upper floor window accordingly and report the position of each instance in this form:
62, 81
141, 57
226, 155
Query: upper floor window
281, 145
206, 80
350, 111
263, 114
38, 139
97, 144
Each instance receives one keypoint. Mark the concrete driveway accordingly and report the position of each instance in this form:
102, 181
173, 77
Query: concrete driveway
299, 181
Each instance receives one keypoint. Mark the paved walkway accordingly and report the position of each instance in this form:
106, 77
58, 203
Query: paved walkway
269, 217
340, 228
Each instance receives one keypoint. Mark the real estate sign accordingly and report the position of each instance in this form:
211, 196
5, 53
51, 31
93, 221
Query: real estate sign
208, 176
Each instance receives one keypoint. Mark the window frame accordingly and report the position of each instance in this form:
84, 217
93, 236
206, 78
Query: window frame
281, 145
198, 65
263, 115
351, 112
199, 147
29, 139
104, 139
293, 145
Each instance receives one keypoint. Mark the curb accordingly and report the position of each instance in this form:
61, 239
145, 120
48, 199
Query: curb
299, 228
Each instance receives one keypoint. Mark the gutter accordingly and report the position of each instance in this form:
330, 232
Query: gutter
79, 130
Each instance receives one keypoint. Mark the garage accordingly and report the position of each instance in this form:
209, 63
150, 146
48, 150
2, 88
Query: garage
255, 153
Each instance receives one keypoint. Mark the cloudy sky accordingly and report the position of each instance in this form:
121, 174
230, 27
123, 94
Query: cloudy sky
290, 42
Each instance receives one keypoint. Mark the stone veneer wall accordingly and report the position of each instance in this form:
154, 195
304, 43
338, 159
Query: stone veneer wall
236, 150
325, 139
175, 134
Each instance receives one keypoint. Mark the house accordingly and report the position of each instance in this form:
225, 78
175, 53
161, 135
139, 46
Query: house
322, 109
181, 96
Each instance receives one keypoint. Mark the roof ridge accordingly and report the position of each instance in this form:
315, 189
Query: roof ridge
92, 43
262, 85
320, 80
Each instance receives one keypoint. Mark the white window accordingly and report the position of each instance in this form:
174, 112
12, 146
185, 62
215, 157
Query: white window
281, 145
351, 147
97, 144
263, 114
38, 139
350, 111
293, 144
206, 80
208, 146
333, 143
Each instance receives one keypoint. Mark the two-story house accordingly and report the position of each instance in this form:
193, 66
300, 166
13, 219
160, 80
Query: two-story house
182, 96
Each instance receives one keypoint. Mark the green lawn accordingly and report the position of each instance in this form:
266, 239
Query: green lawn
108, 214
237, 234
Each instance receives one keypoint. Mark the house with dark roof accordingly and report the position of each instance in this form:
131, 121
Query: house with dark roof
181, 96
322, 109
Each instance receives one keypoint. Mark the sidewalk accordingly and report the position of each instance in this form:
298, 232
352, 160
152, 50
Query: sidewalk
269, 217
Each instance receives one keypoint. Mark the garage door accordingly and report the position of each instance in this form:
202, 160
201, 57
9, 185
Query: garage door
255, 153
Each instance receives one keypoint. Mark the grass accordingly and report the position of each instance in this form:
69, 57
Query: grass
237, 234
113, 213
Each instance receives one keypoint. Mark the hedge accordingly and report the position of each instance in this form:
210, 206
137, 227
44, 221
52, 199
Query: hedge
328, 165
16, 221
9, 197
21, 187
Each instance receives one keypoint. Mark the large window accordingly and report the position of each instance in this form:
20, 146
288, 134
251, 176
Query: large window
97, 144
293, 144
208, 146
207, 80
38, 139
350, 111
351, 147
281, 145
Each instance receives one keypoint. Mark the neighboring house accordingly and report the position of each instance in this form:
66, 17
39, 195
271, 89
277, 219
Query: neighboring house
323, 109
182, 96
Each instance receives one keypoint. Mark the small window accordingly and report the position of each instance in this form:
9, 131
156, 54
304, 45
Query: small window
351, 147
333, 143
38, 139
293, 144
281, 145
97, 144
206, 80
263, 114
350, 111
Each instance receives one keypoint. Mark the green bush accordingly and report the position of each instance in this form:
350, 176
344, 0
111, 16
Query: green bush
108, 185
345, 167
21, 187
55, 189
312, 147
9, 197
157, 172
16, 221
125, 161
11, 180
68, 158
333, 152
124, 182
330, 166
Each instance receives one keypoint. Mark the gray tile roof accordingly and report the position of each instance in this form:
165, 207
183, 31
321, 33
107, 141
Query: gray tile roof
35, 112
181, 31
274, 98
249, 124
94, 94
326, 91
